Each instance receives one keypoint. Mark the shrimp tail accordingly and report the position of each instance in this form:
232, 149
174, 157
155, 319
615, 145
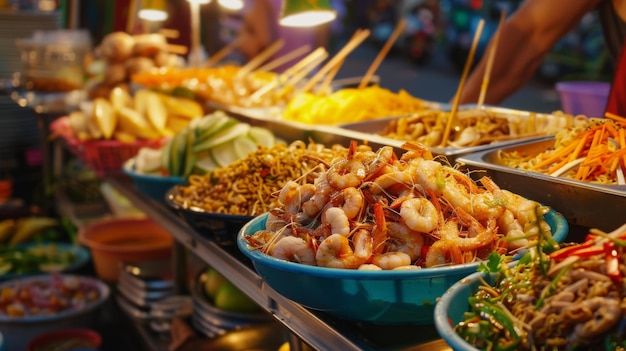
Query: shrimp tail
379, 232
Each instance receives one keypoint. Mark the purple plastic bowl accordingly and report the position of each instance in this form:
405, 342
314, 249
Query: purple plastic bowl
584, 97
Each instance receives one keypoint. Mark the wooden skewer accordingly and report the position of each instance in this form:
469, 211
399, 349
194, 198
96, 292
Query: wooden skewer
169, 33
492, 55
466, 69
285, 58
295, 73
383, 53
323, 88
297, 77
305, 62
176, 49
220, 54
260, 58
355, 41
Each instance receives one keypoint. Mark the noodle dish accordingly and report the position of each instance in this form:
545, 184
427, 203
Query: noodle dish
568, 299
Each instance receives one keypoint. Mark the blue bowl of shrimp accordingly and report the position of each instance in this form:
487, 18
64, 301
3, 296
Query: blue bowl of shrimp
381, 297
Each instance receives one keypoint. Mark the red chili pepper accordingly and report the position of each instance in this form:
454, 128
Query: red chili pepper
612, 262
585, 249
264, 172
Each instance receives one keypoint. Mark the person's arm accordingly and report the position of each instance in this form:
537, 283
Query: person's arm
258, 28
525, 39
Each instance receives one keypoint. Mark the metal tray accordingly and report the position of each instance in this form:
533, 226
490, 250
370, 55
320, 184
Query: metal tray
374, 127
585, 204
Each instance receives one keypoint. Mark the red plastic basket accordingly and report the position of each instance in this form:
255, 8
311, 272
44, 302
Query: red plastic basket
105, 157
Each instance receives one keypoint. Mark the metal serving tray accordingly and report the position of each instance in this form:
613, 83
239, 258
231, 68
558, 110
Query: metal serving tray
374, 127
585, 204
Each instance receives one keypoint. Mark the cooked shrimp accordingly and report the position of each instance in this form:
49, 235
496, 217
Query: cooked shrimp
320, 198
369, 267
477, 236
353, 202
391, 260
404, 239
337, 221
264, 239
348, 172
384, 157
481, 204
294, 249
290, 196
427, 174
392, 183
414, 150
524, 210
419, 214
440, 251
336, 252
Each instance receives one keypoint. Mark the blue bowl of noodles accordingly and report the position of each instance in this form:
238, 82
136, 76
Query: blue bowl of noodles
387, 297
154, 186
451, 307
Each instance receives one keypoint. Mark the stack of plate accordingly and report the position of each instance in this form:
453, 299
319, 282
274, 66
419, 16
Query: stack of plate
147, 295
212, 321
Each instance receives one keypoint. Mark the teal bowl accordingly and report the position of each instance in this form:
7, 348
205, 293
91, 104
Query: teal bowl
376, 297
151, 185
81, 257
451, 307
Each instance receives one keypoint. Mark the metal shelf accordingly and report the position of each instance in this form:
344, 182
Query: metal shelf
317, 329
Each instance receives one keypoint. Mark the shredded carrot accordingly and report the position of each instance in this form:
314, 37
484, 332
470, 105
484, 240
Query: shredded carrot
555, 156
579, 147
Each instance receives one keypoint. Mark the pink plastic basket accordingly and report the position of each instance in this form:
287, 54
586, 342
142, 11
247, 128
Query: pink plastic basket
105, 157
584, 97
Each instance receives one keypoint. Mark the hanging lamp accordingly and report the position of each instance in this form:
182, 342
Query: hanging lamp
306, 13
153, 10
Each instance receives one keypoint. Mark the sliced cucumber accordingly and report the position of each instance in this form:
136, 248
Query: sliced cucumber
224, 153
190, 156
211, 125
178, 152
221, 137
206, 164
262, 136
165, 156
244, 145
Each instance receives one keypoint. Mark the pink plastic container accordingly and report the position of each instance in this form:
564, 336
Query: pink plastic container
584, 97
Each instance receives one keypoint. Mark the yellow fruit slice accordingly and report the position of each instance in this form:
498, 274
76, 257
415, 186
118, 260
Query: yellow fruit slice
105, 116
156, 112
182, 106
134, 123
119, 98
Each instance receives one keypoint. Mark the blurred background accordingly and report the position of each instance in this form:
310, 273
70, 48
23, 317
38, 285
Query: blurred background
426, 60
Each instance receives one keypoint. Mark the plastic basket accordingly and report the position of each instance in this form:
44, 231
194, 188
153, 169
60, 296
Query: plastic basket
584, 97
105, 157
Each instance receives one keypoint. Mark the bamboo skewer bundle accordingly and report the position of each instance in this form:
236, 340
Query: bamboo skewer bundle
259, 59
355, 41
294, 74
383, 53
466, 69
277, 62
